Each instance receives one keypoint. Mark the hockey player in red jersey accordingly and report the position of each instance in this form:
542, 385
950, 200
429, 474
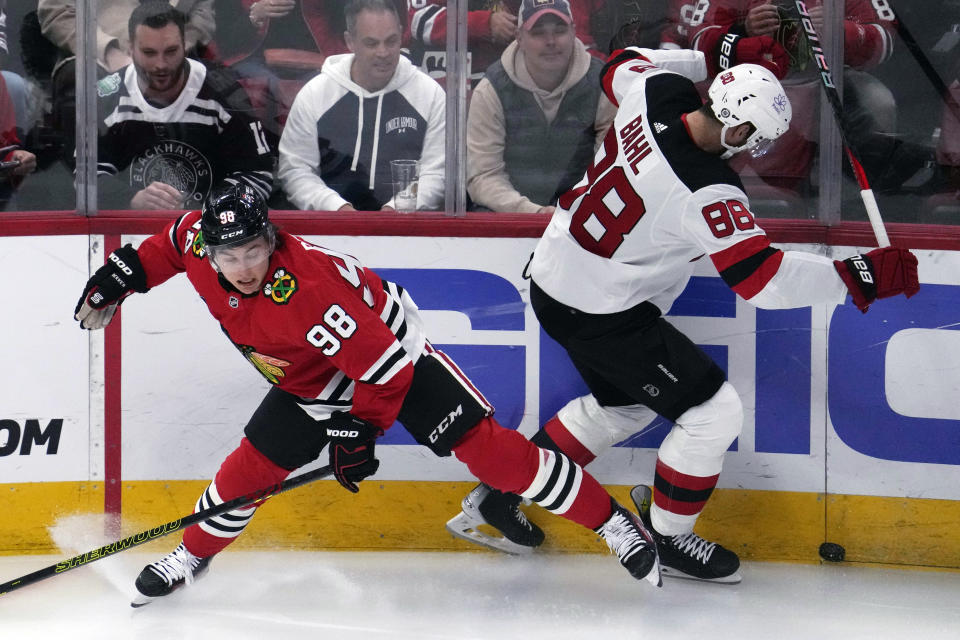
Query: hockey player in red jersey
617, 253
347, 355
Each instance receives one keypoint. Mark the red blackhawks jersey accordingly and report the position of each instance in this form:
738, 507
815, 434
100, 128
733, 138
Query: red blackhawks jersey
869, 27
653, 203
323, 327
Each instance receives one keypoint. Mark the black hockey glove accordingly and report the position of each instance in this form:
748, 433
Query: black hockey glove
351, 448
109, 286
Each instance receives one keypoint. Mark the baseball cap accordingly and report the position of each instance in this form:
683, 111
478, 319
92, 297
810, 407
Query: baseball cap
531, 10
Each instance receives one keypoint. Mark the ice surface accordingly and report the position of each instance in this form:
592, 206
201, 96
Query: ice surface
289, 595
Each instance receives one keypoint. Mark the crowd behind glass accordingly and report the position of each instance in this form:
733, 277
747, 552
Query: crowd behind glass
309, 103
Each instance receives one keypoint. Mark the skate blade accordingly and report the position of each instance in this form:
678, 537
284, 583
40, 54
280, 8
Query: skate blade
655, 577
733, 578
141, 600
464, 526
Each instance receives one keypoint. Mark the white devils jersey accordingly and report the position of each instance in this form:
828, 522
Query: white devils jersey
653, 203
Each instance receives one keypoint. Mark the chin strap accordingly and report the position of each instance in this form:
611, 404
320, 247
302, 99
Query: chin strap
730, 150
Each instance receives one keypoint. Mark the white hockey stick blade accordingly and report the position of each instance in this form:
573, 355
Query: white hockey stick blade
642, 497
466, 527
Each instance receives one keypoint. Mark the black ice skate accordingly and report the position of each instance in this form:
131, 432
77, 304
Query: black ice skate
688, 555
501, 511
628, 538
162, 577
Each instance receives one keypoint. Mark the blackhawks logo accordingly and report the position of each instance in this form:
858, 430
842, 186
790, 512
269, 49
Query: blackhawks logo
269, 367
196, 243
282, 288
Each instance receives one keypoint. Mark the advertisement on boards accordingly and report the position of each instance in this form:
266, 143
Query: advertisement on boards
834, 400
45, 430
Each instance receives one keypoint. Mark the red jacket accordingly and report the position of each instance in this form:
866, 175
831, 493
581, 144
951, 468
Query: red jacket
8, 123
8, 130
237, 38
868, 31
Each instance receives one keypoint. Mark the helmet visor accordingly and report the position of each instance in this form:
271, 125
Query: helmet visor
241, 256
762, 147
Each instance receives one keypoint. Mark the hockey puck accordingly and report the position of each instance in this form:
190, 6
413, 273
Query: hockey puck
832, 552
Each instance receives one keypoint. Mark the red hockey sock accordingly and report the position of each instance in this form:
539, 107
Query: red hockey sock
507, 461
243, 471
679, 493
564, 441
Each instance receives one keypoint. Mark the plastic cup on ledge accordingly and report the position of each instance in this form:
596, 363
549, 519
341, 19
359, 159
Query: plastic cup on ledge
406, 178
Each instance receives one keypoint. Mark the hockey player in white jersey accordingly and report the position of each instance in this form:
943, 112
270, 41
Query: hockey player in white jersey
617, 253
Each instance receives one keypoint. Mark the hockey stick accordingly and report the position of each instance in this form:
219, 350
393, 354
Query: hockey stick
162, 530
826, 80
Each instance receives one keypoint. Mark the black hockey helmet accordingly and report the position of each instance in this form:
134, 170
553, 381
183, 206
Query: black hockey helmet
233, 214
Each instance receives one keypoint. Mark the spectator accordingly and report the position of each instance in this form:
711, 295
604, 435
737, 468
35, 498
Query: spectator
948, 149
869, 105
364, 109
177, 125
537, 117
948, 154
16, 89
682, 16
247, 29
10, 152
276, 46
58, 21
491, 26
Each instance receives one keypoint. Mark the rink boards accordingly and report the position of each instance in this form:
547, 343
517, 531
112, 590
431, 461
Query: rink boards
850, 432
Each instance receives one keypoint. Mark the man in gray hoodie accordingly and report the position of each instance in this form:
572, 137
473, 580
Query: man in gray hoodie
363, 110
537, 117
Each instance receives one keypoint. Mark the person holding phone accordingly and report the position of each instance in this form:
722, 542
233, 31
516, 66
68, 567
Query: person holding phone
15, 162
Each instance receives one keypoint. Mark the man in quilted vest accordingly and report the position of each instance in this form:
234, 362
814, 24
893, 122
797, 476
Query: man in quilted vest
537, 117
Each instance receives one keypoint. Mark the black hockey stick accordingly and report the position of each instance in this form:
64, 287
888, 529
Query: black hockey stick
833, 96
162, 530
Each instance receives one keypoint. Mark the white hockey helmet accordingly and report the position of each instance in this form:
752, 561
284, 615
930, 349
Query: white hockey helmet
750, 93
